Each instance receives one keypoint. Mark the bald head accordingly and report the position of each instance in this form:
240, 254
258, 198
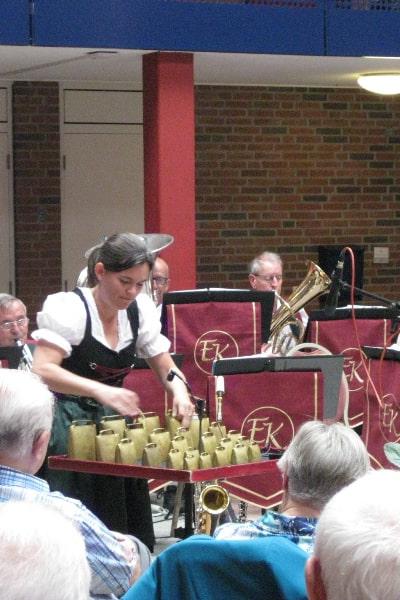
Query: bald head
160, 279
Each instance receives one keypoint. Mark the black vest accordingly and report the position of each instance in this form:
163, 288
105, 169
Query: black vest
93, 360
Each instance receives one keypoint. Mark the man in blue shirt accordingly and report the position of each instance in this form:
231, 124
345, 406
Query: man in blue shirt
321, 459
264, 558
26, 413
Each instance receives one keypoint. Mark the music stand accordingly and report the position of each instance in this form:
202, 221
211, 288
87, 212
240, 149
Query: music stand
331, 367
376, 352
265, 299
361, 312
141, 363
11, 355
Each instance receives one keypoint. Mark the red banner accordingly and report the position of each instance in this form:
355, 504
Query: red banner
382, 410
268, 408
206, 331
339, 337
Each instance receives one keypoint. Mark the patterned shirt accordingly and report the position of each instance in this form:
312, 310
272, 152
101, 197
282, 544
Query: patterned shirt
110, 571
300, 530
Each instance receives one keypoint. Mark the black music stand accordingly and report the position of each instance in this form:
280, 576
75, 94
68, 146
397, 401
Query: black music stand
377, 351
361, 312
331, 367
140, 363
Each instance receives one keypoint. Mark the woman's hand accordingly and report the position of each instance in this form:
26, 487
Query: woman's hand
47, 364
182, 406
183, 409
123, 401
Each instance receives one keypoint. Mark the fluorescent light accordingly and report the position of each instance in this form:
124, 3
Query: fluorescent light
380, 83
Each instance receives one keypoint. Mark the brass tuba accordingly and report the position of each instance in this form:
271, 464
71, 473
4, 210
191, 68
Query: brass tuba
315, 283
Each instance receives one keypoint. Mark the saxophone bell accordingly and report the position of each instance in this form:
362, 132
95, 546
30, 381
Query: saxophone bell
213, 500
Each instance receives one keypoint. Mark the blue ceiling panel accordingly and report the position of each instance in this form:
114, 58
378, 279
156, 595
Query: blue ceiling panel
14, 22
362, 32
181, 26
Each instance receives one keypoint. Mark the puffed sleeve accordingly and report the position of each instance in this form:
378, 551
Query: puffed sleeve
61, 321
150, 341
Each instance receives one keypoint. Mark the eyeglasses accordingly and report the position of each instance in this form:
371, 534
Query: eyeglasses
7, 325
270, 278
160, 280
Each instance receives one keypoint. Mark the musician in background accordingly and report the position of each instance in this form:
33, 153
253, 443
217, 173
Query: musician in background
159, 281
266, 275
14, 327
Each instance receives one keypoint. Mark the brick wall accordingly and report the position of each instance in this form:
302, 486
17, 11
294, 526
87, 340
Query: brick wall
284, 169
36, 150
288, 169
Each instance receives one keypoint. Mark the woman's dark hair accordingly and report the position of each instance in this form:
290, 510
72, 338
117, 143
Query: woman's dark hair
119, 252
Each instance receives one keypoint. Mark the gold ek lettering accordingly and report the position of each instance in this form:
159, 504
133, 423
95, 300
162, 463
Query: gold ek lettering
211, 350
269, 429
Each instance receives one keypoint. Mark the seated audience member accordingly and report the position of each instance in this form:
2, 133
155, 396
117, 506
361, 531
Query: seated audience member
42, 554
357, 548
266, 275
14, 327
202, 568
320, 460
26, 413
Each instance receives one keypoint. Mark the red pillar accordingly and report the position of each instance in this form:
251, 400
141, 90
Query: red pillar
169, 159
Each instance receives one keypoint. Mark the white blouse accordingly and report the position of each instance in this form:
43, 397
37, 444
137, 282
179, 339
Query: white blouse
62, 322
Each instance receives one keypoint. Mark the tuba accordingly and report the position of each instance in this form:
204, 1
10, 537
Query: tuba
315, 283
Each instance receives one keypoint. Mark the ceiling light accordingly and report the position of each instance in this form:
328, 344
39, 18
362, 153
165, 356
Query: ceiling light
380, 83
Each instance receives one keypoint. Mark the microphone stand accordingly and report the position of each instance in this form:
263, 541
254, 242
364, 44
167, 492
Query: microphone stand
393, 306
189, 493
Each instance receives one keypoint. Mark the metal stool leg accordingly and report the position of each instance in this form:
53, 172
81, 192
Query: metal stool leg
177, 507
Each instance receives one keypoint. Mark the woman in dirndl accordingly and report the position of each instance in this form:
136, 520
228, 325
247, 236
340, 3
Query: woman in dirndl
87, 342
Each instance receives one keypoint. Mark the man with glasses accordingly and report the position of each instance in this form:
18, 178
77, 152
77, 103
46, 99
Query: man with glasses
265, 276
266, 272
14, 327
159, 281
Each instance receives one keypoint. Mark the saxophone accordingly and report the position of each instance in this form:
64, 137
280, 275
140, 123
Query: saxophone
210, 499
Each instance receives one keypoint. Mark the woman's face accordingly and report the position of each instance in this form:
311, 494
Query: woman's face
120, 289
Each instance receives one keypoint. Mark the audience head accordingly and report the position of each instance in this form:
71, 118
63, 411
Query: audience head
13, 320
26, 414
265, 272
357, 550
322, 459
42, 554
160, 279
